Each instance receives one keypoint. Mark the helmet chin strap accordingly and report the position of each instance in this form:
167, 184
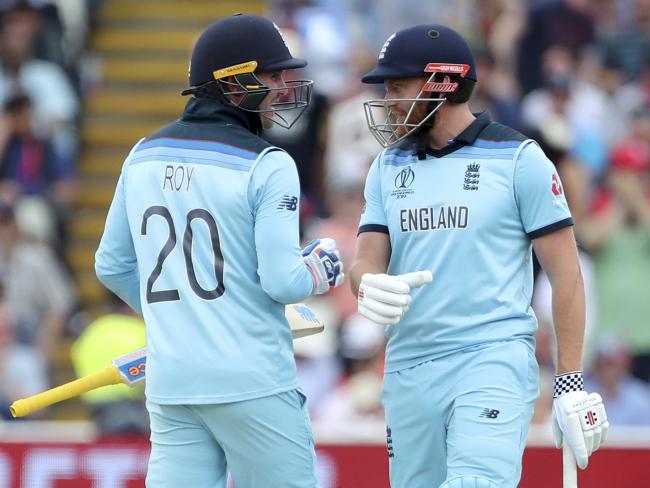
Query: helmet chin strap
214, 91
254, 122
422, 134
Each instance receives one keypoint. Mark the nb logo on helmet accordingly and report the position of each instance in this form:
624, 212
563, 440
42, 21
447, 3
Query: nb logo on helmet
385, 46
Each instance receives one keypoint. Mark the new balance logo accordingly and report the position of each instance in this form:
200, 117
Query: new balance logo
489, 413
288, 203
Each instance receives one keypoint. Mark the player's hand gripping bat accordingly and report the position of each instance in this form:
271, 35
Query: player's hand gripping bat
130, 368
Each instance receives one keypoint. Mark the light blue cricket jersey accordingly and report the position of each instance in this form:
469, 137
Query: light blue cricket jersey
468, 213
202, 239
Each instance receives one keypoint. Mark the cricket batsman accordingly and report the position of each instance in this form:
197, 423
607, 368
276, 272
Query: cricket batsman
454, 206
202, 239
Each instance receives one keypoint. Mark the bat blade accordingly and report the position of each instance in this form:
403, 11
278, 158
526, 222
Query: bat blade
132, 366
303, 320
130, 369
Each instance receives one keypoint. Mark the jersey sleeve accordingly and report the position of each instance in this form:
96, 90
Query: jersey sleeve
274, 197
116, 265
539, 193
373, 216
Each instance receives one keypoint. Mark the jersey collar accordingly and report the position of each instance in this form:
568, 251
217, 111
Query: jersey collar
207, 110
465, 138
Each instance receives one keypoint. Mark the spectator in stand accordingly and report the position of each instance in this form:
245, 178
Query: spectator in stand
627, 47
357, 397
626, 398
351, 148
305, 143
634, 96
23, 371
497, 93
117, 409
37, 290
42, 16
31, 165
567, 23
617, 233
572, 105
55, 102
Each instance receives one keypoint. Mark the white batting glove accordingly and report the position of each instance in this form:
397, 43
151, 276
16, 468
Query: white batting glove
384, 299
579, 419
324, 263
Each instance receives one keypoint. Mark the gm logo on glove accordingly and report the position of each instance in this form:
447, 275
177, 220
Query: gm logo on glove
324, 262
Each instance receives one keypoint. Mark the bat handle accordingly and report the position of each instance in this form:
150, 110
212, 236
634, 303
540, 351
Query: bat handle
569, 470
108, 376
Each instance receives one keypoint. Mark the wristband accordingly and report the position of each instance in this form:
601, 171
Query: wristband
568, 382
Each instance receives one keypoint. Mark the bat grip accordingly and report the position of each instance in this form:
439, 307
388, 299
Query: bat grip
108, 376
569, 470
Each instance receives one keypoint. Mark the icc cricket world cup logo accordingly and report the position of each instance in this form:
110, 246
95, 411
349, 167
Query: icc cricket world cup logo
404, 178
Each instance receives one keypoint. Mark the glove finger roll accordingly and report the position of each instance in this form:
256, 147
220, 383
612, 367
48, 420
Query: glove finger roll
385, 282
381, 308
377, 318
387, 297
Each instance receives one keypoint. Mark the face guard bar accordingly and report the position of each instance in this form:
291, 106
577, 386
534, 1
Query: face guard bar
390, 132
247, 93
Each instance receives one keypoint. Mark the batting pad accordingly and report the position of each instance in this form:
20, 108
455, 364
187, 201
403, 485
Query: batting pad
469, 482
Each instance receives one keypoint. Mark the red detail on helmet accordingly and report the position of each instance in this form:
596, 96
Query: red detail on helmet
434, 86
457, 69
556, 187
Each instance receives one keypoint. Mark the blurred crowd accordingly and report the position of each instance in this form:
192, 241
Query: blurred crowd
41, 46
572, 74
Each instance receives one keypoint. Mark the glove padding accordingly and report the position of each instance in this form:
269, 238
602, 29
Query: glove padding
324, 263
580, 420
384, 299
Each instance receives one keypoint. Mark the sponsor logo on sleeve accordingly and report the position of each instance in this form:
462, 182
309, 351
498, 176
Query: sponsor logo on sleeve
556, 186
288, 202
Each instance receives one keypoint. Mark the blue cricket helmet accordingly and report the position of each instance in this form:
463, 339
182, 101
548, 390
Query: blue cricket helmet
433, 52
230, 53
408, 53
237, 39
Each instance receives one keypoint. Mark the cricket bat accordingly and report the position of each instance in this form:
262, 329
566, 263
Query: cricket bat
130, 368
